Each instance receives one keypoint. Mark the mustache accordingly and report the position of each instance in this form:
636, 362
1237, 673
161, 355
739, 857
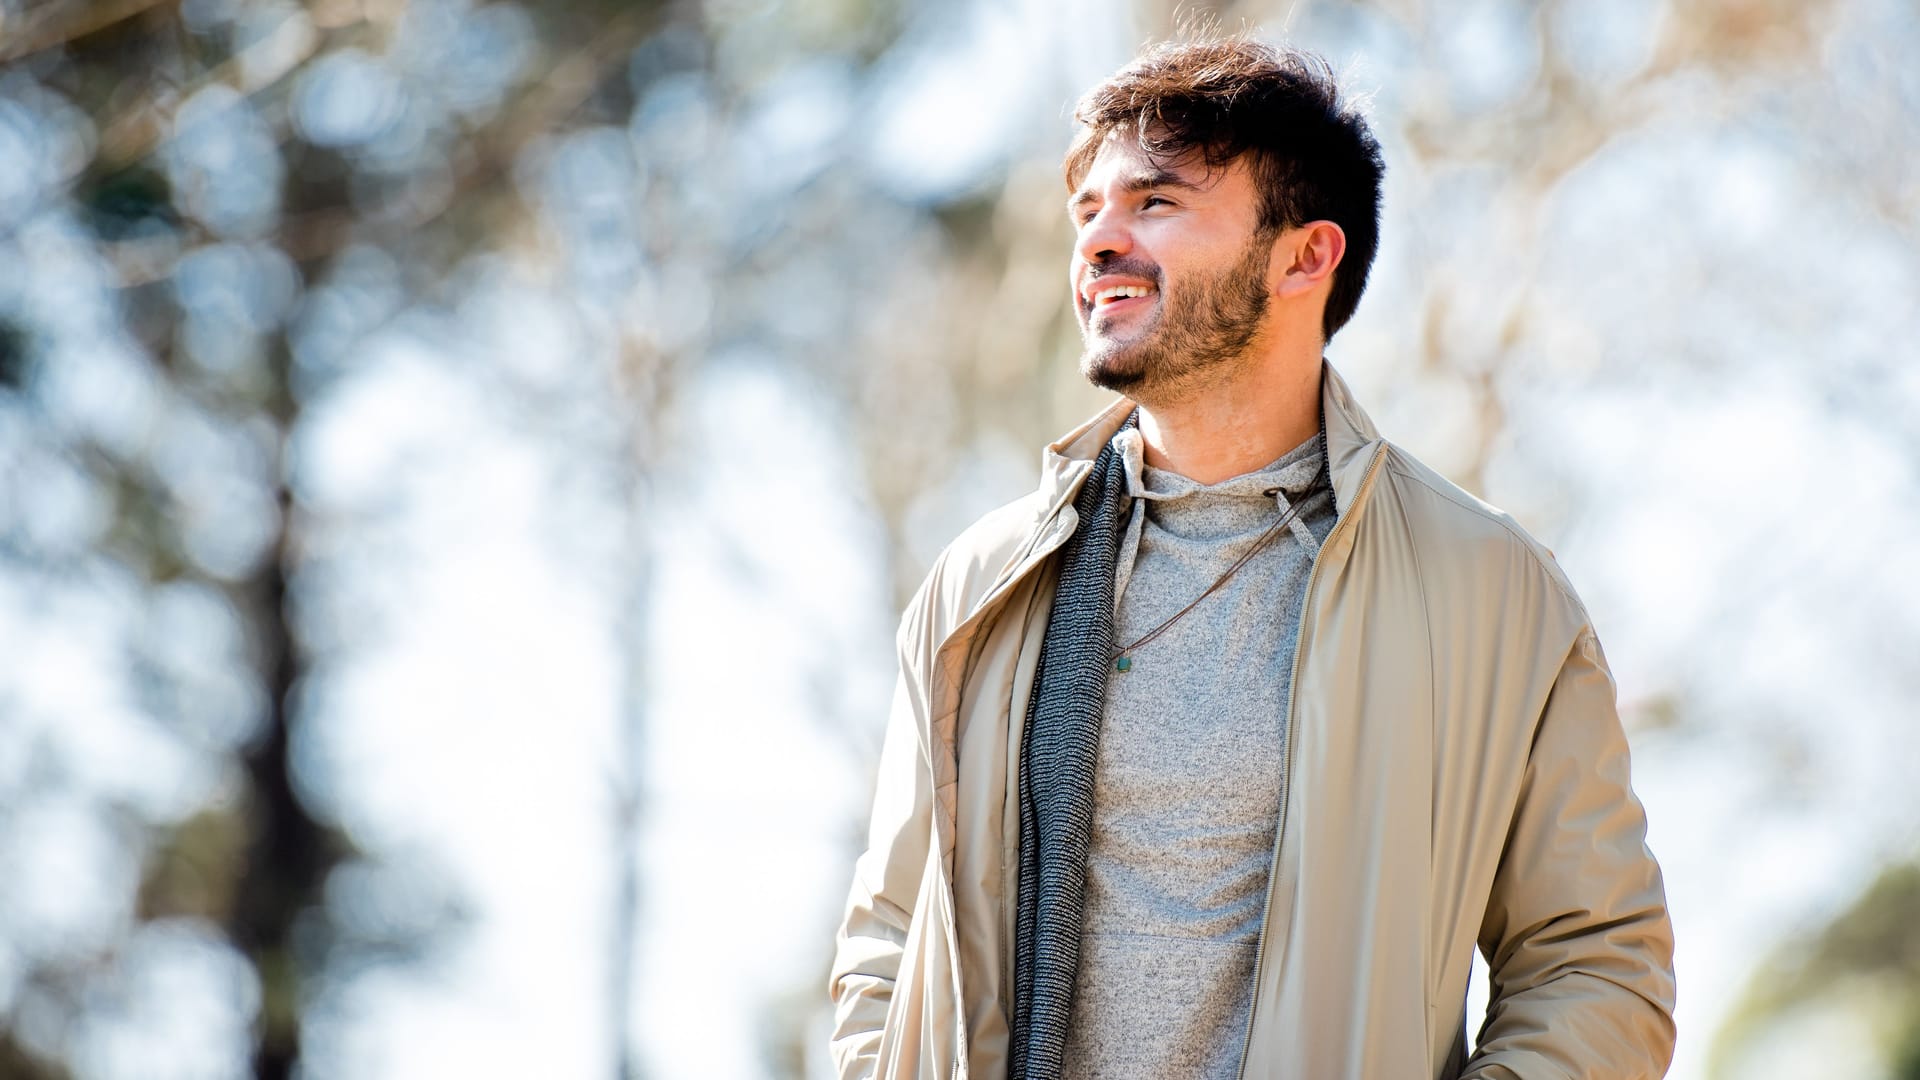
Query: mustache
1137, 268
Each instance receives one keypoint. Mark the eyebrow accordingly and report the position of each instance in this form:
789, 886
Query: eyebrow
1140, 181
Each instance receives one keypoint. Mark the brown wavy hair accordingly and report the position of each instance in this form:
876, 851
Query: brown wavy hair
1311, 153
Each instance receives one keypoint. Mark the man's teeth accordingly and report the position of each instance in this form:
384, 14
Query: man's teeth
1120, 292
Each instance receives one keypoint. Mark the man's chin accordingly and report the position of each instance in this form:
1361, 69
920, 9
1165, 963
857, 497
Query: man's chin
1113, 370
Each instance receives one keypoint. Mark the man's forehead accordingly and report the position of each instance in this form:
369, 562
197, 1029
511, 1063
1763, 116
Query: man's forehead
1122, 161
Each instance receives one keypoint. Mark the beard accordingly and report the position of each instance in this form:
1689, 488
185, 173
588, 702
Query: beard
1197, 335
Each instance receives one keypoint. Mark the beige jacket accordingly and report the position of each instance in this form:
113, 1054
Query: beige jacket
1457, 776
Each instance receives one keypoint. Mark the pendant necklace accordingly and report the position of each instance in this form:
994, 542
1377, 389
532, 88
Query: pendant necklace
1123, 663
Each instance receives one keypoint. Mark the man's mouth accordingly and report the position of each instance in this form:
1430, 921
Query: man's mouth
1115, 299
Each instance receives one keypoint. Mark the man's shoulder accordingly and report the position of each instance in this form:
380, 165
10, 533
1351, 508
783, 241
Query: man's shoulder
1457, 532
998, 536
969, 566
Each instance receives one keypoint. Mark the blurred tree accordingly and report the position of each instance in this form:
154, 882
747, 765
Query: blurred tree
216, 157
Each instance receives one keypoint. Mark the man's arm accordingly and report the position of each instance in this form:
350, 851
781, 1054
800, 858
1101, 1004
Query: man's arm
1576, 933
886, 883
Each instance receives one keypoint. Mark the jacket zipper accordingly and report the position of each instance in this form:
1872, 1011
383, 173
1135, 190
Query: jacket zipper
1286, 752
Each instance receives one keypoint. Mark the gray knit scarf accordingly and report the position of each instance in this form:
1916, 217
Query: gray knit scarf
1057, 757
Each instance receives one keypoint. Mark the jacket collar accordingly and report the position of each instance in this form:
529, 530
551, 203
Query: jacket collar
1350, 439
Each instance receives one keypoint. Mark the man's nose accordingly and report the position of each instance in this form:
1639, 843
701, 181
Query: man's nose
1105, 236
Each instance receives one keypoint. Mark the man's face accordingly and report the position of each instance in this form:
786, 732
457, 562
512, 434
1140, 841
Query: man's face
1170, 271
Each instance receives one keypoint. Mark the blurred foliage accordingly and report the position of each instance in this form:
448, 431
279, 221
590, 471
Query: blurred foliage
1870, 951
169, 138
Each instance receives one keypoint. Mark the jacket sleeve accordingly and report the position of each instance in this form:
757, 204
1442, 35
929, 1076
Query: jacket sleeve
1576, 933
886, 882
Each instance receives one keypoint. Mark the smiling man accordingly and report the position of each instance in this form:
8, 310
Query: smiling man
1219, 753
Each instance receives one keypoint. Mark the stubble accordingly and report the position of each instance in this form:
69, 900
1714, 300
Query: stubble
1198, 336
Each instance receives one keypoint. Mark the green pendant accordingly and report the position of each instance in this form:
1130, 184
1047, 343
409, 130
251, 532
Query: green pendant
1123, 663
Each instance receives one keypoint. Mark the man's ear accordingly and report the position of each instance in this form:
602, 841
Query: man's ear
1306, 255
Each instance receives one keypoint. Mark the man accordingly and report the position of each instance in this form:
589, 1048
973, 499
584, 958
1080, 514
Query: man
1219, 753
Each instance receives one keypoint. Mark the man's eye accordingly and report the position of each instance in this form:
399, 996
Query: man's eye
1152, 199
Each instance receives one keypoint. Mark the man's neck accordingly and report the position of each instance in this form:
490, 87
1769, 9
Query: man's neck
1236, 426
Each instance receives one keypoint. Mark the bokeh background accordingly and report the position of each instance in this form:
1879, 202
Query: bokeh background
461, 461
